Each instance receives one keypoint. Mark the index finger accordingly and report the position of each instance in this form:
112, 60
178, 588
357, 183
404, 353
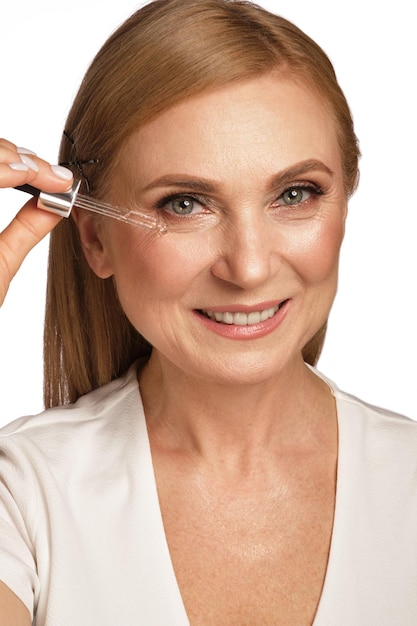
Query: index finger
19, 166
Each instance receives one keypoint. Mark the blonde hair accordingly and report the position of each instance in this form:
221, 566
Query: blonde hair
164, 53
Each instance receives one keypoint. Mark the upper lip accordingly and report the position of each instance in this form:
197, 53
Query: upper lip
243, 308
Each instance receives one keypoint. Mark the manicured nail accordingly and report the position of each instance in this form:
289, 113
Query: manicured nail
25, 151
19, 167
29, 162
61, 172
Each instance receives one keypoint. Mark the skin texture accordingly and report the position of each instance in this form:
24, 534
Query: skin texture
243, 435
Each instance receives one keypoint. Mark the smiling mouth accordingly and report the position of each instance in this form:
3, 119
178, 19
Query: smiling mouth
240, 318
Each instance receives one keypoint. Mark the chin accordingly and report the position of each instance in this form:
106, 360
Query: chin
241, 370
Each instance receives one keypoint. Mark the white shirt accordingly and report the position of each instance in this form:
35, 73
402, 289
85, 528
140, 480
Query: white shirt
82, 541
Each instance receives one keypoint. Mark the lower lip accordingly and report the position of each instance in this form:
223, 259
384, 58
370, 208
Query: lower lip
251, 331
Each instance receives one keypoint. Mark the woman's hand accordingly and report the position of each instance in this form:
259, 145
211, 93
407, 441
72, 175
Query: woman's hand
19, 166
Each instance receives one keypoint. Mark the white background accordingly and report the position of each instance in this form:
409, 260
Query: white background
45, 48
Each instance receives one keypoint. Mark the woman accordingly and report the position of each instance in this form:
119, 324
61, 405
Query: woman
239, 486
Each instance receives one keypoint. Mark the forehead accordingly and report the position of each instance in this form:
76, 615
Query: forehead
259, 124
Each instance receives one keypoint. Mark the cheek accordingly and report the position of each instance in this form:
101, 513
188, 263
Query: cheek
315, 250
156, 267
321, 247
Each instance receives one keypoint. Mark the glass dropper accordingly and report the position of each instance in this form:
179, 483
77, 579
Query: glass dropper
63, 203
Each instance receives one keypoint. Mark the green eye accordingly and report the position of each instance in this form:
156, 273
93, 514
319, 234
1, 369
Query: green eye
182, 206
186, 213
294, 195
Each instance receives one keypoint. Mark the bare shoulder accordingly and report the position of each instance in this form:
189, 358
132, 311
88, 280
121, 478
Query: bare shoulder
12, 610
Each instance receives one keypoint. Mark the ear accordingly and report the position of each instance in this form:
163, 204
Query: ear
92, 241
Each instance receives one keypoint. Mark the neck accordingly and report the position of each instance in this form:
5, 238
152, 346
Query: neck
185, 413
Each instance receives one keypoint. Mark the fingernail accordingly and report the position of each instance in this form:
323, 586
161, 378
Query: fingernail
29, 162
19, 167
61, 172
25, 151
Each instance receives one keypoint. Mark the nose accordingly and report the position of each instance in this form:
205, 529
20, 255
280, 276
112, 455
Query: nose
249, 254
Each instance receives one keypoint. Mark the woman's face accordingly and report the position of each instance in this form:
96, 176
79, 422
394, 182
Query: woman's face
258, 165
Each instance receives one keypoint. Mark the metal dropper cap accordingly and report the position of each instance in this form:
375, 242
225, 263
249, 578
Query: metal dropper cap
58, 203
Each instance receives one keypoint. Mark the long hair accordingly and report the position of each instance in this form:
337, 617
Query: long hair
166, 52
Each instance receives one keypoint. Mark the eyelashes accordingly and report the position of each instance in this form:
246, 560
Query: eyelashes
183, 205
296, 194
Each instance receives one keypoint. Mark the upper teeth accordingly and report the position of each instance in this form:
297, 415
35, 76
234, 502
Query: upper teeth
242, 319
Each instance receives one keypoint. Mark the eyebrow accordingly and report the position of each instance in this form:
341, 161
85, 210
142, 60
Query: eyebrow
288, 175
181, 180
202, 184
